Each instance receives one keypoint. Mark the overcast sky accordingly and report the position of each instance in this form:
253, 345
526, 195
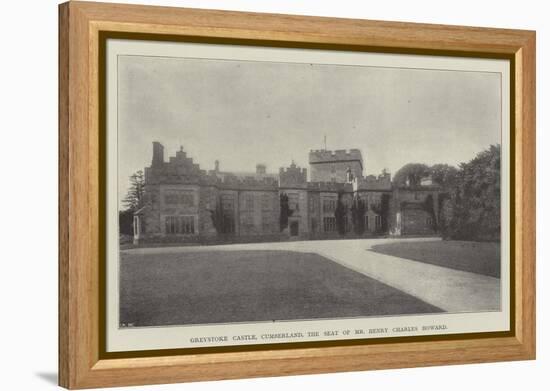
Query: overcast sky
244, 112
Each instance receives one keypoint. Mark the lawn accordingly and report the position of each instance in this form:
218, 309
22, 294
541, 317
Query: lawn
244, 286
476, 257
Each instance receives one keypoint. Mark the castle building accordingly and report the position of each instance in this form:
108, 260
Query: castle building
334, 166
184, 203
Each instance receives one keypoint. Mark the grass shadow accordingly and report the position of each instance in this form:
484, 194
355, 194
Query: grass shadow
475, 257
246, 286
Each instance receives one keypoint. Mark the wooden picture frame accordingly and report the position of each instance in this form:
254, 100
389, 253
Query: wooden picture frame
82, 361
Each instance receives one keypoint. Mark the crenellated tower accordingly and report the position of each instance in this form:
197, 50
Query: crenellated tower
335, 166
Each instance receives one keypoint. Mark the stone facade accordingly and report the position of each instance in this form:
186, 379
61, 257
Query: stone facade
183, 203
414, 211
333, 166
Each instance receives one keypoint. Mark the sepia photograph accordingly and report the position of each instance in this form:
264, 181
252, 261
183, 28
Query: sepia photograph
272, 192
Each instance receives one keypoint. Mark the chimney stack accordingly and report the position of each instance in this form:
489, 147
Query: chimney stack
260, 168
217, 166
158, 154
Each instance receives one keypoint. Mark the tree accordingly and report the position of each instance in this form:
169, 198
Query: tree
472, 211
444, 175
132, 202
340, 214
446, 212
384, 212
429, 207
134, 198
217, 217
126, 222
285, 211
382, 209
358, 210
411, 174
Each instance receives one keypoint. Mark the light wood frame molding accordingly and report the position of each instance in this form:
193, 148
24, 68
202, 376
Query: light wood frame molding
81, 364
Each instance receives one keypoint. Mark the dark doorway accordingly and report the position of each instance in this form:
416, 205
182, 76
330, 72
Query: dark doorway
294, 228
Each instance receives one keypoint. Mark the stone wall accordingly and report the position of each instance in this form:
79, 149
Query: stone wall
258, 212
298, 203
373, 183
333, 172
314, 212
409, 211
151, 212
415, 222
293, 176
332, 166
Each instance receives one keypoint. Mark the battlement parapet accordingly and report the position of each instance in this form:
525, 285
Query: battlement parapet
292, 175
372, 182
210, 179
248, 183
330, 186
170, 178
293, 170
327, 156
